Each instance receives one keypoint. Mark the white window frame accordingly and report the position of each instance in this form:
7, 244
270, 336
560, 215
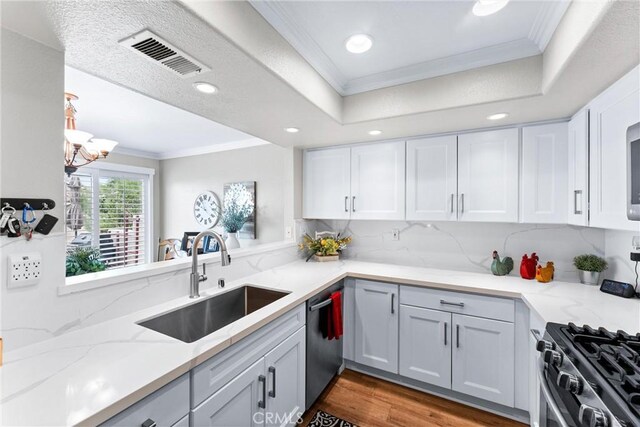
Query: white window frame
101, 169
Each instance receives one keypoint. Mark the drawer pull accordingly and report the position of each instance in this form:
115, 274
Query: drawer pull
272, 370
457, 336
148, 423
262, 403
445, 334
392, 298
457, 304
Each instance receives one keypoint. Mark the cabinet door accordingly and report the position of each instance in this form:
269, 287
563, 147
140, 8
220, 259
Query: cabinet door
543, 192
432, 179
611, 114
377, 181
377, 325
240, 403
425, 345
578, 170
488, 176
483, 358
285, 366
326, 183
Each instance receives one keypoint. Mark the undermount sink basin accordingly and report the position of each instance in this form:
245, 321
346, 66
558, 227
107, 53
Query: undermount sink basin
194, 321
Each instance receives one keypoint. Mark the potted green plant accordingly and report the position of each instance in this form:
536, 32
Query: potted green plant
238, 207
590, 268
84, 260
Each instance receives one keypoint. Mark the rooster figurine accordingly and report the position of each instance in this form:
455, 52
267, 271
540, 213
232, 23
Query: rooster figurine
545, 274
501, 267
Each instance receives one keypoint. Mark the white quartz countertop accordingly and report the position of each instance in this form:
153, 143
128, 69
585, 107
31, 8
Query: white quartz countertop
89, 375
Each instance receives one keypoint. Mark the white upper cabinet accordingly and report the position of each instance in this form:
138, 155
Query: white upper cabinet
432, 179
327, 183
377, 181
543, 192
578, 169
611, 114
488, 176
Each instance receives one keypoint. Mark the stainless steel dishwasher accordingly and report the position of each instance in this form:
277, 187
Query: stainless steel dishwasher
324, 357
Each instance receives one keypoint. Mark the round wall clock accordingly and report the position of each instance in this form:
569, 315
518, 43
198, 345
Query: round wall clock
206, 209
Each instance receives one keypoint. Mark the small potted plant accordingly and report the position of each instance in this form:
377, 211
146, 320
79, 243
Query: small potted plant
238, 207
83, 260
589, 268
324, 248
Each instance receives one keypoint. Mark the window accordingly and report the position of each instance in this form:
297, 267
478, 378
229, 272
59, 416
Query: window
109, 210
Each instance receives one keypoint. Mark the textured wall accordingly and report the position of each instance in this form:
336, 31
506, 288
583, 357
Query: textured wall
468, 246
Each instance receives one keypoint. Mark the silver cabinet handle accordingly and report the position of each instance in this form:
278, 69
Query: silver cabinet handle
457, 336
353, 204
392, 298
452, 196
262, 403
346, 200
461, 203
457, 304
272, 371
445, 334
575, 202
148, 423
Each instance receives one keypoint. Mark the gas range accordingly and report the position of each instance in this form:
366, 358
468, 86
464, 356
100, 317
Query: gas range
592, 376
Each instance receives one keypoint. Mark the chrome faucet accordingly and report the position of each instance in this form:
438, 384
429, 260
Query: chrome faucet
196, 277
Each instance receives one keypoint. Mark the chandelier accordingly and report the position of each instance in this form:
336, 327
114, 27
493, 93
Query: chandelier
80, 148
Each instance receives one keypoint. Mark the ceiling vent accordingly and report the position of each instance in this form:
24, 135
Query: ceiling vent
162, 52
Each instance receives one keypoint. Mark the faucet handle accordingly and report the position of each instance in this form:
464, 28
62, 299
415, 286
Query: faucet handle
203, 276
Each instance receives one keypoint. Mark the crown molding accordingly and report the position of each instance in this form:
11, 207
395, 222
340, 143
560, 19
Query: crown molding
216, 148
136, 153
296, 35
546, 22
504, 52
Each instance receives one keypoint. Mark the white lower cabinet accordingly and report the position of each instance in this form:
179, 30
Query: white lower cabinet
425, 345
483, 362
240, 403
285, 367
270, 392
376, 332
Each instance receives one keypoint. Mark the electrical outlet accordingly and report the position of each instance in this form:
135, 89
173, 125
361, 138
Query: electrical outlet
395, 234
288, 232
24, 269
635, 243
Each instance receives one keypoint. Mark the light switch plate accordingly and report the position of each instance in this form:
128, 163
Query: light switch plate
24, 270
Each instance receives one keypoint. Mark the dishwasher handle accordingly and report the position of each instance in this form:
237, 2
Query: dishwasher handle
319, 305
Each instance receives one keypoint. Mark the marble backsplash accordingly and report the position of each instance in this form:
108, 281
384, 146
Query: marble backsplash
467, 246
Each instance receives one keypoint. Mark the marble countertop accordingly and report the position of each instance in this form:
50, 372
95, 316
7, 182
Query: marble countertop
89, 375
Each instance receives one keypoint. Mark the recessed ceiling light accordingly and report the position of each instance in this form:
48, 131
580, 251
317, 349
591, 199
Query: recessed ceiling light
292, 130
488, 7
205, 87
497, 116
375, 132
358, 43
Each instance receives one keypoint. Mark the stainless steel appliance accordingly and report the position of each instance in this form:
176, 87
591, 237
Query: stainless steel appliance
633, 172
588, 377
324, 357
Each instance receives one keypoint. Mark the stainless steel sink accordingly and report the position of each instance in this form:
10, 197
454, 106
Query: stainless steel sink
192, 322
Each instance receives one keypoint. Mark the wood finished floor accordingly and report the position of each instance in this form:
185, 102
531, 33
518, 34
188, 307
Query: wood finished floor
371, 402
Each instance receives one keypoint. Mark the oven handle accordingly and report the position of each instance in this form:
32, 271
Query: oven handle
319, 305
549, 398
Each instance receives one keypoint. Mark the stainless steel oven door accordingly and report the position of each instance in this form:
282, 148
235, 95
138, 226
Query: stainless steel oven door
552, 411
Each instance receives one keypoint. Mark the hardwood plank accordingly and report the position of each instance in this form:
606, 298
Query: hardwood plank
371, 402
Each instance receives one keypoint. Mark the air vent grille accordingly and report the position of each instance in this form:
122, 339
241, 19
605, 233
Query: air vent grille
162, 52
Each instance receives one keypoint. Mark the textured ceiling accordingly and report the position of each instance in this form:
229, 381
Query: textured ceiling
266, 85
413, 40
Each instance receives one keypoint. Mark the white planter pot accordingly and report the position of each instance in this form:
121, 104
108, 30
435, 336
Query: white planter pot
232, 241
589, 277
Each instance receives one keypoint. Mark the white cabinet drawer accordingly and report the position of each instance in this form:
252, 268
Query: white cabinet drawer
459, 302
211, 375
165, 407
